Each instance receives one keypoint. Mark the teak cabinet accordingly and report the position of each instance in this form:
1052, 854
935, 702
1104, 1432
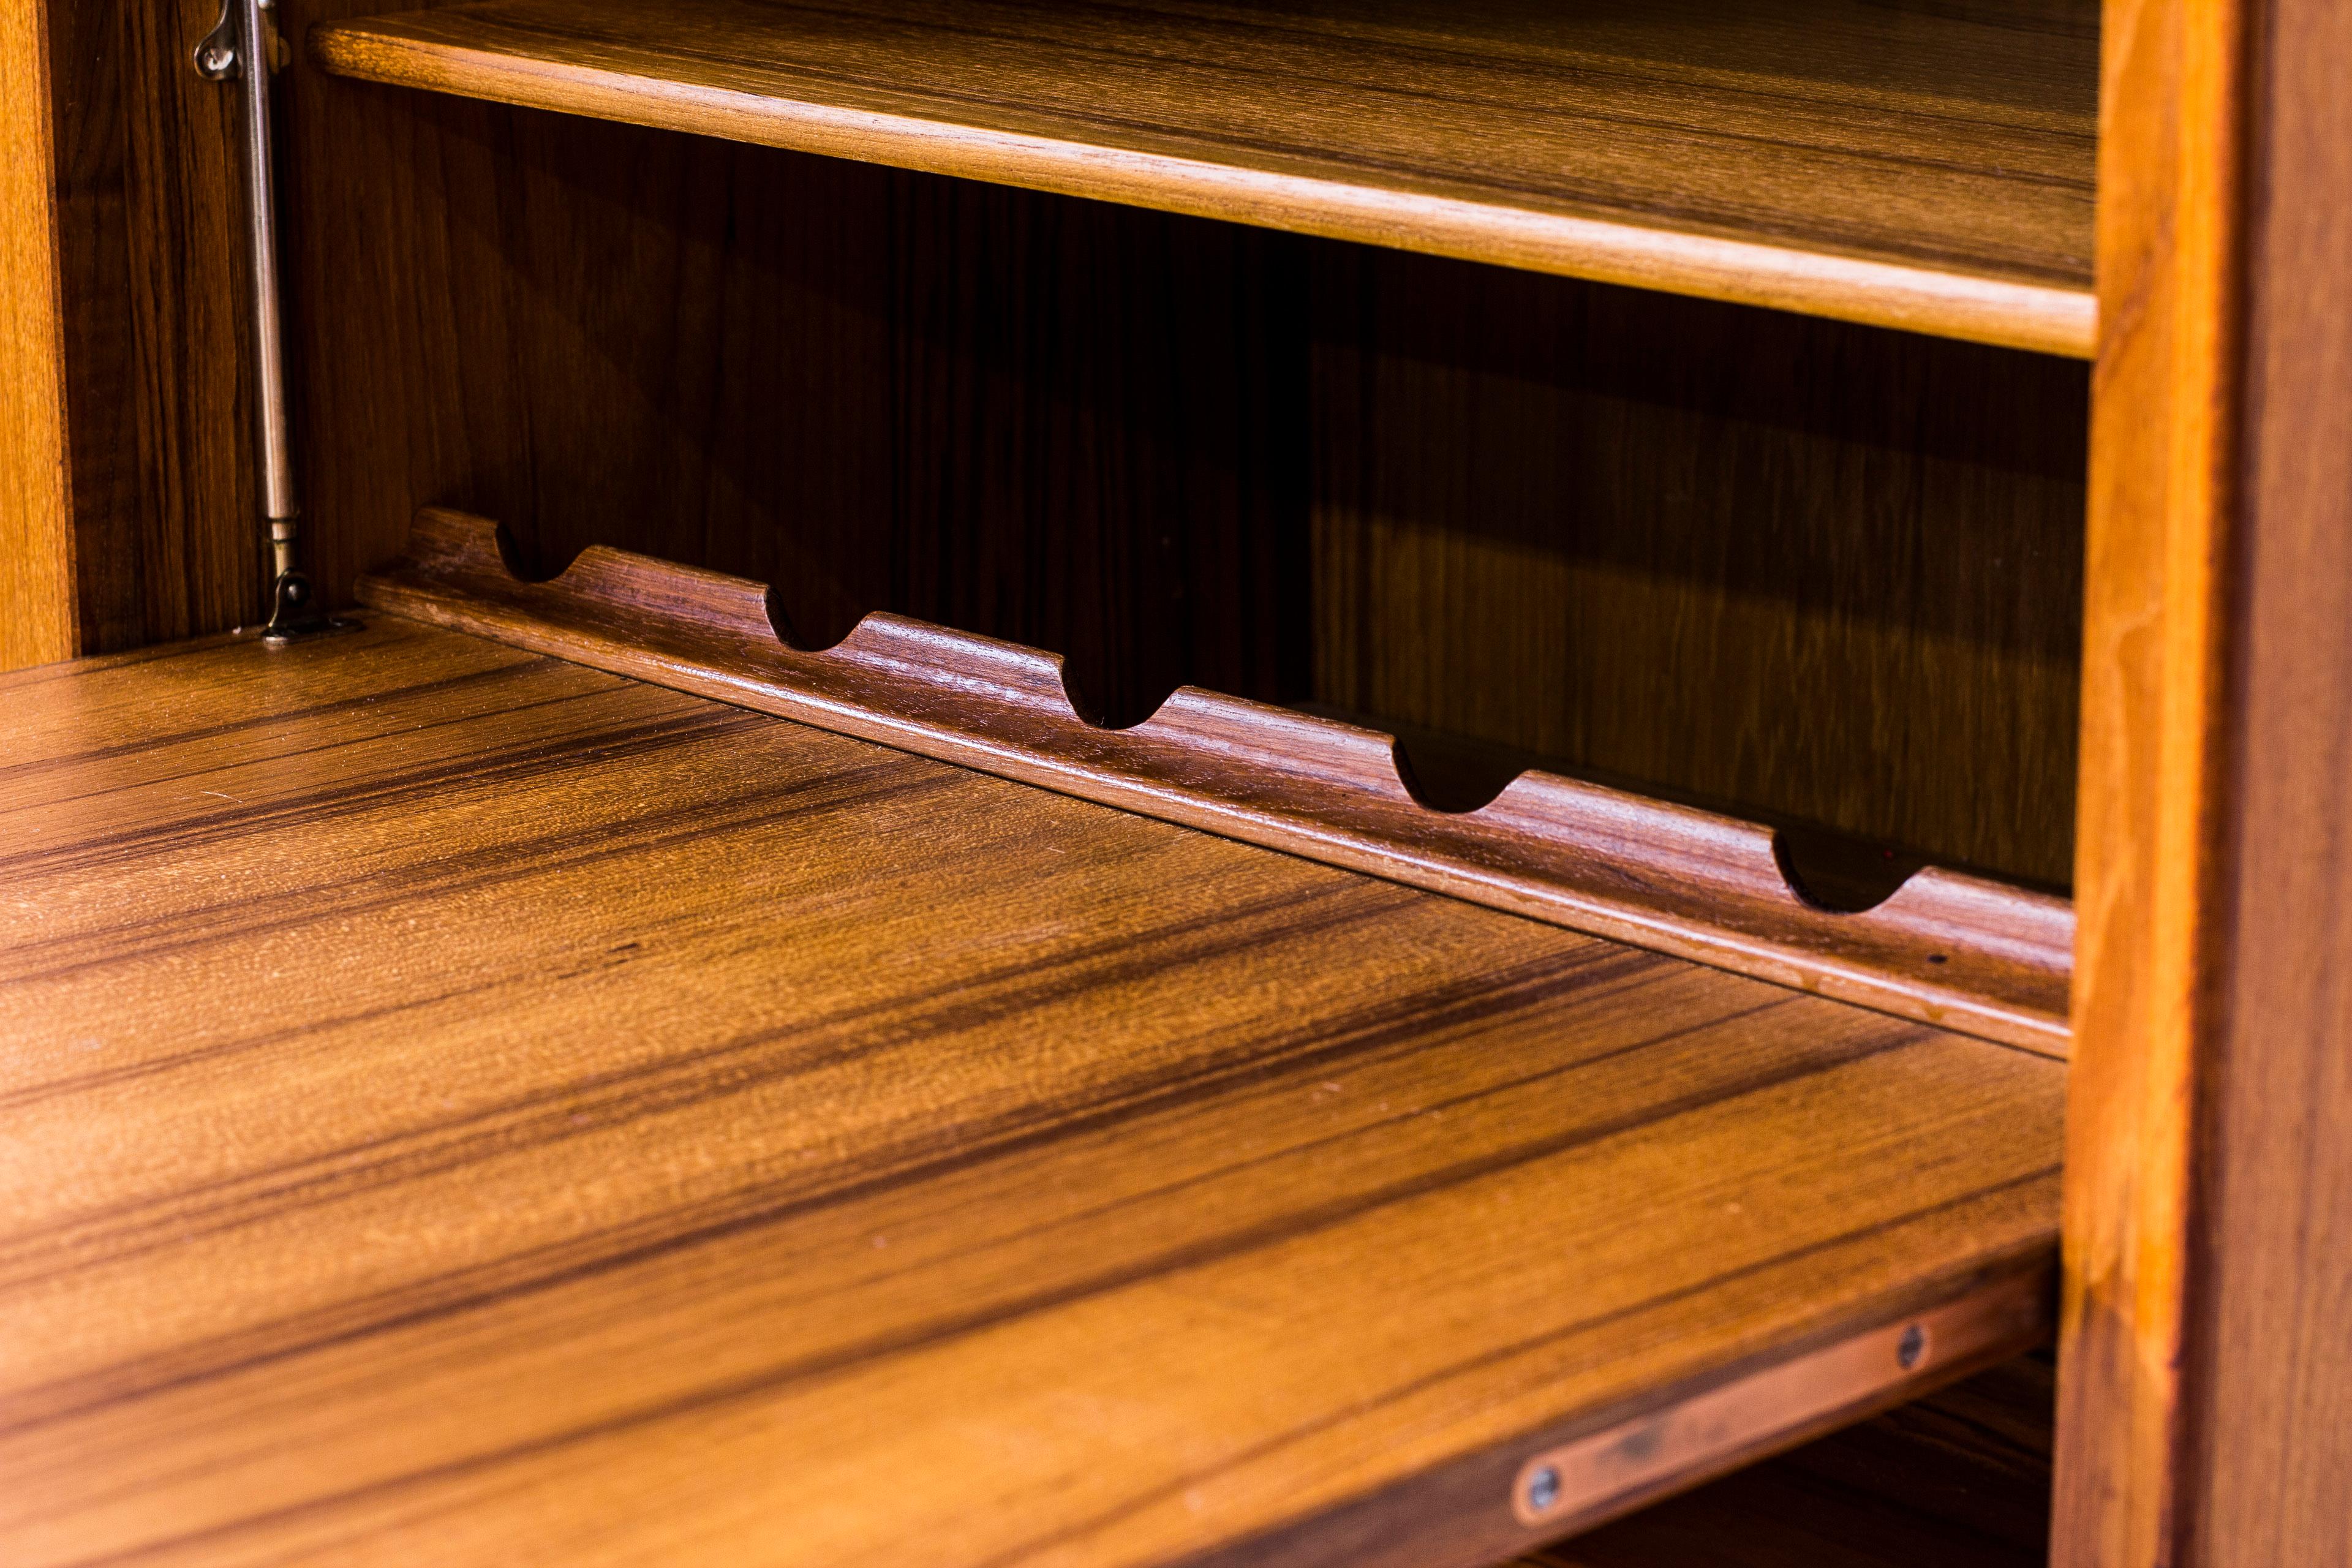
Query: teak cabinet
1338, 782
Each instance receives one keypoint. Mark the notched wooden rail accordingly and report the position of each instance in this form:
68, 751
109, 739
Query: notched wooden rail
1947, 948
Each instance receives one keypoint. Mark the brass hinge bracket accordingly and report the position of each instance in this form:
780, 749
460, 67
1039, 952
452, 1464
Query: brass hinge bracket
245, 48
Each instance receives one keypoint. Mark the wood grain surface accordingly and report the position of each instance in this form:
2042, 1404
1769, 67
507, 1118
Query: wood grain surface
2270, 1360
2209, 1139
1775, 564
1073, 425
1180, 452
2149, 877
158, 341
36, 611
1922, 168
1945, 948
463, 1106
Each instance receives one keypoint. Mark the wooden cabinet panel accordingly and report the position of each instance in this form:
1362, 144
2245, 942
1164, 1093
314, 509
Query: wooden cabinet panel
465, 1106
37, 618
158, 380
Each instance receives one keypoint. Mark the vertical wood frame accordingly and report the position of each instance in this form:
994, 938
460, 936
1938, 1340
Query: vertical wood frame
2206, 1374
36, 615
158, 359
2162, 436
2268, 1364
129, 513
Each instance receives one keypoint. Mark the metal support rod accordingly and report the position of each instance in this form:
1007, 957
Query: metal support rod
243, 48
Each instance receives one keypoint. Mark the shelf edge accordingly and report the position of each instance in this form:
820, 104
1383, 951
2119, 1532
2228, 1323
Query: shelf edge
1941, 302
1620, 1462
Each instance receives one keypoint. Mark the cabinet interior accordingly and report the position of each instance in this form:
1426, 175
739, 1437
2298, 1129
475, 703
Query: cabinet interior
1821, 573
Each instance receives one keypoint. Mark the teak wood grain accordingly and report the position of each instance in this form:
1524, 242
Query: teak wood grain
1069, 424
2210, 1178
1947, 948
2163, 455
463, 1106
1924, 169
2270, 1359
156, 378
37, 609
1774, 563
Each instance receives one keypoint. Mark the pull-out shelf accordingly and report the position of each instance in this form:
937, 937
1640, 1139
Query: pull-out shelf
1923, 167
465, 1106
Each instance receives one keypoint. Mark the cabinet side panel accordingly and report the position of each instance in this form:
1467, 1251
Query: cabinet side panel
1791, 567
2150, 883
2271, 1364
36, 540
154, 312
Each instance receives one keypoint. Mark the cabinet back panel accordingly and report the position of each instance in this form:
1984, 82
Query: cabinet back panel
1809, 569
1062, 423
1824, 572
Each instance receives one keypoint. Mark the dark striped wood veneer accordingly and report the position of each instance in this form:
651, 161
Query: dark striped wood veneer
461, 1106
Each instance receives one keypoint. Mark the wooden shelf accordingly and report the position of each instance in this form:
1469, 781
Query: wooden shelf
462, 1106
1925, 168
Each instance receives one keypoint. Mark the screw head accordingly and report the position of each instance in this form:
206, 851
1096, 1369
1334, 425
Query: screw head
1913, 1347
1543, 1490
218, 58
